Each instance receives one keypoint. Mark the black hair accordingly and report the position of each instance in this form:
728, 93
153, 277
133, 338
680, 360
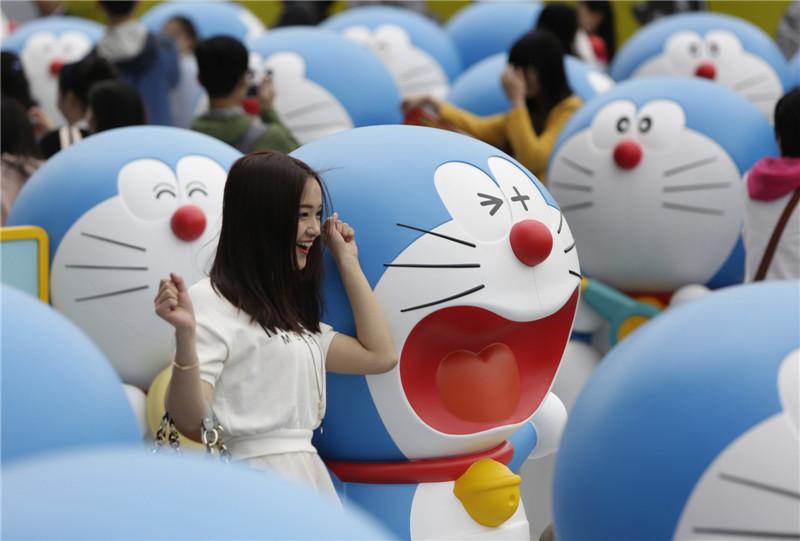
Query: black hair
13, 81
561, 20
114, 104
186, 26
787, 123
78, 77
118, 7
221, 62
255, 266
17, 129
606, 28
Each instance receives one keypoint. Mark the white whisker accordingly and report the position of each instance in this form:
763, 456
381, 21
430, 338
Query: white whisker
577, 206
418, 84
751, 81
746, 533
416, 71
760, 97
759, 485
446, 237
696, 187
307, 109
696, 210
427, 266
688, 166
105, 267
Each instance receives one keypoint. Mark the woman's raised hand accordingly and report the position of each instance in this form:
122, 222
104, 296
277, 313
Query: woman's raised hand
339, 237
514, 86
173, 304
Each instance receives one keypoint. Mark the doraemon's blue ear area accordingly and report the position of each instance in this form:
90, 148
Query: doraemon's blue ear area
50, 29
208, 18
688, 426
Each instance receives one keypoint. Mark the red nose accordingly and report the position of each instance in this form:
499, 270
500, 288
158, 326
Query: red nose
55, 66
531, 242
188, 223
707, 70
627, 154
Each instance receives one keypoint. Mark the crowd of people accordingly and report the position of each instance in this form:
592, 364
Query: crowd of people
259, 310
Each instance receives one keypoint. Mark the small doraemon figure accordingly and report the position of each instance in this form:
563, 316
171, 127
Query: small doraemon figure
325, 83
730, 51
420, 54
122, 209
44, 45
479, 90
208, 18
689, 429
477, 273
650, 180
482, 29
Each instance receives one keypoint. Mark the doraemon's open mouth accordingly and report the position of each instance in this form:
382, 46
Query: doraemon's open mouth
466, 369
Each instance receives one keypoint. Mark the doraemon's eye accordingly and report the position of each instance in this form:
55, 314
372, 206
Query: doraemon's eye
661, 123
148, 189
358, 33
724, 45
73, 46
684, 48
474, 201
203, 181
612, 123
38, 49
524, 197
392, 38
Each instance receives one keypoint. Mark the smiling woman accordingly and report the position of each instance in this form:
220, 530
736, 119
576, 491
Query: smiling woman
249, 338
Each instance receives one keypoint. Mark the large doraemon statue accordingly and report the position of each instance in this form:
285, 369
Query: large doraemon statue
723, 48
482, 29
689, 428
420, 54
476, 271
122, 209
44, 45
650, 176
209, 19
59, 392
324, 82
479, 90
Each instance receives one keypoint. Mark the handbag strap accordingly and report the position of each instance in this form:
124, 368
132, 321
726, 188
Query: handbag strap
776, 236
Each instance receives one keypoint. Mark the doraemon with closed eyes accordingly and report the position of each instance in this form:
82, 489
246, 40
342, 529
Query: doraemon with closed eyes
121, 210
44, 45
725, 49
649, 175
476, 270
690, 428
420, 54
324, 83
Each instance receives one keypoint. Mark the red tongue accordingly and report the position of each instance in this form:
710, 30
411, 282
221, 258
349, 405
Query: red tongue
482, 388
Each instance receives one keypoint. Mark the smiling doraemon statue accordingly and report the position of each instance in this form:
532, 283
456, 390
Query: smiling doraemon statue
420, 54
44, 45
325, 83
690, 428
726, 49
476, 271
121, 210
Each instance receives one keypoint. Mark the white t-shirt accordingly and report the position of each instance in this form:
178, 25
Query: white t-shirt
267, 386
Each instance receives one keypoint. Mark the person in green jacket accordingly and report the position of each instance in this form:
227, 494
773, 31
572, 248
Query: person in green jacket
223, 72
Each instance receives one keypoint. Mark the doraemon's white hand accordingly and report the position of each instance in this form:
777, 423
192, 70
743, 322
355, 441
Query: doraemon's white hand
173, 304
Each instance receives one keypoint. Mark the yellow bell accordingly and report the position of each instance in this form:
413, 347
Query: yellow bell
489, 492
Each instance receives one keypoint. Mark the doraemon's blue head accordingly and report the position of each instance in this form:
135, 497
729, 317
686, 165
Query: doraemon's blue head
689, 428
650, 179
122, 209
208, 18
482, 29
794, 68
728, 50
44, 45
479, 90
420, 54
475, 269
324, 82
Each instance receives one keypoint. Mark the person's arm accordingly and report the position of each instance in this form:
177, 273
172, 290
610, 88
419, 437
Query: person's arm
187, 393
372, 351
489, 129
278, 137
533, 151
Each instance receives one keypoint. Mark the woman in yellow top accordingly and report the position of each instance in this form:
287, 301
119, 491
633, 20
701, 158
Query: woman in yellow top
541, 103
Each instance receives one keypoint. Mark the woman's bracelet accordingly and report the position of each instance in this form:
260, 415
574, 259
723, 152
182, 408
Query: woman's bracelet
186, 366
